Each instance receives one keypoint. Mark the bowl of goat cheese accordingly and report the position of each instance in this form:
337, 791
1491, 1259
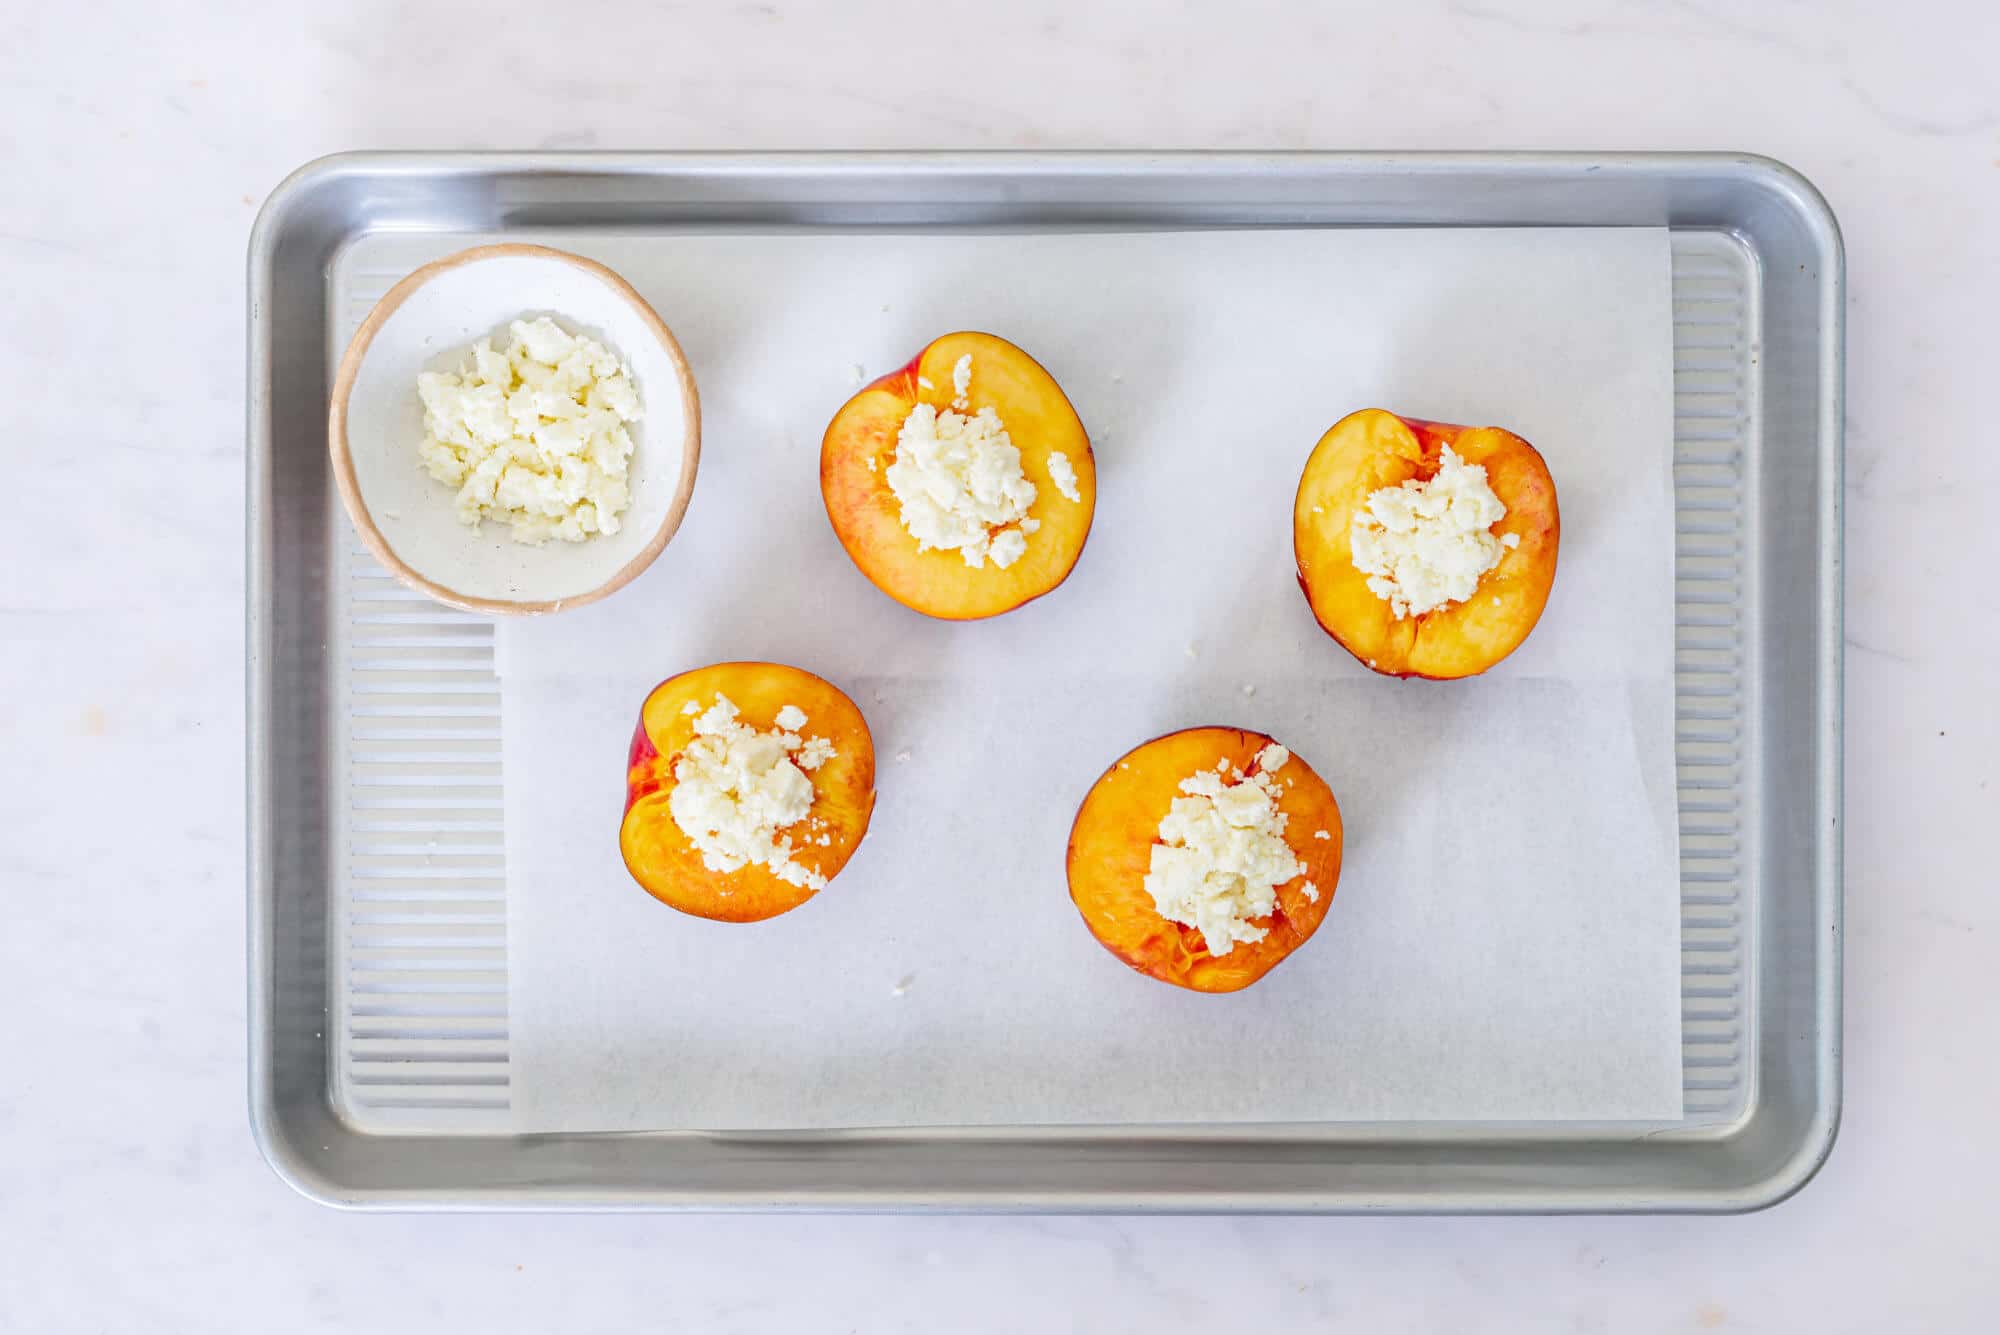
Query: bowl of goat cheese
514, 430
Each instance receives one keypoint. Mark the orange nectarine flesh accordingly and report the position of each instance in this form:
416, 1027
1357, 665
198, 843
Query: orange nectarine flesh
1372, 449
666, 863
860, 444
1110, 852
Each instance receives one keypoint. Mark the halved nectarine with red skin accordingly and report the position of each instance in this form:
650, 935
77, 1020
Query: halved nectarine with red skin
1111, 847
661, 857
860, 444
1372, 449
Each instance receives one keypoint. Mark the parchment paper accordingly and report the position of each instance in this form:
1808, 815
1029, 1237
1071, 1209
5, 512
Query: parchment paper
1504, 943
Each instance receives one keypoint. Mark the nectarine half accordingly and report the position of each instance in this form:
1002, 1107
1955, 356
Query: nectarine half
1118, 828
1373, 450
820, 768
863, 443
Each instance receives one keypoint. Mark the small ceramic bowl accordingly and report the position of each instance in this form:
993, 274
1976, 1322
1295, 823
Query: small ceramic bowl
429, 322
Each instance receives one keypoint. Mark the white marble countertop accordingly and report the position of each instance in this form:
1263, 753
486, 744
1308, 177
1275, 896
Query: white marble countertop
136, 150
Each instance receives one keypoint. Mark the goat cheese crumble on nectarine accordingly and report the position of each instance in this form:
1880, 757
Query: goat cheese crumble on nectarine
961, 381
1424, 544
958, 481
959, 484
1222, 854
736, 789
1063, 474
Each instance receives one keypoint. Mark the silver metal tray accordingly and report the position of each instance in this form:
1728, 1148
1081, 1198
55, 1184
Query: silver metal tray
378, 986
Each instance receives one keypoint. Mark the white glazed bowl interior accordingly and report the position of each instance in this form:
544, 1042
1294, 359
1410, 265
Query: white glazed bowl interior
443, 310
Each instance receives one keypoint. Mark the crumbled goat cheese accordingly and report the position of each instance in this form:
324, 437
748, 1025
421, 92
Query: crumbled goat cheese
1063, 475
1009, 546
533, 435
737, 789
1222, 855
959, 485
816, 752
1424, 545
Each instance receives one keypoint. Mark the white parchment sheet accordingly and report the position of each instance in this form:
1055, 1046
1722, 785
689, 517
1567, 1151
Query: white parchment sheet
1504, 943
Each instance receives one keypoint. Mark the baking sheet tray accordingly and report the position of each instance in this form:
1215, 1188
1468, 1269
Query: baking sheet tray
380, 1061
